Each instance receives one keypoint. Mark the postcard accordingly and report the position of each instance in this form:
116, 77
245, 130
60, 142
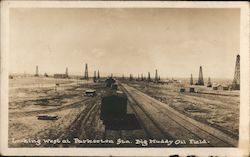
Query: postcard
124, 78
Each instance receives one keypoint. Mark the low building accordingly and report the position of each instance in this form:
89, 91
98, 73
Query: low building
181, 90
217, 87
61, 76
192, 90
225, 87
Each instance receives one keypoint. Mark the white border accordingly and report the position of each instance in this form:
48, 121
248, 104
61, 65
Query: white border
242, 150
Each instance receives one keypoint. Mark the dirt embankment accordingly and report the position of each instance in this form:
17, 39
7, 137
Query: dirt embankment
219, 111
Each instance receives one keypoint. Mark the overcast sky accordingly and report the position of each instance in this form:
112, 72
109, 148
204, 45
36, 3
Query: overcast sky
175, 41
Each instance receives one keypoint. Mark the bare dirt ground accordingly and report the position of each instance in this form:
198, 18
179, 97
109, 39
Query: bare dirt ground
79, 123
41, 96
79, 116
218, 109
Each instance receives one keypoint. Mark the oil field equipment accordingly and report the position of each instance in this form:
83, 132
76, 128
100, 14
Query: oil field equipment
86, 74
67, 73
209, 83
156, 76
236, 80
191, 80
149, 79
94, 78
37, 73
98, 75
200, 79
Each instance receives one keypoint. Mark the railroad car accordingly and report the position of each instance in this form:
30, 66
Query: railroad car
110, 81
113, 107
114, 86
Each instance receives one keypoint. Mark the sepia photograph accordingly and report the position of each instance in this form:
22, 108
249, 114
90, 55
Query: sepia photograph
124, 77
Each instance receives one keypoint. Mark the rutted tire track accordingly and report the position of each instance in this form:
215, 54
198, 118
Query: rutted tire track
74, 129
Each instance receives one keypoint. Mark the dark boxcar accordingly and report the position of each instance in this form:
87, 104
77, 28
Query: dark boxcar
113, 107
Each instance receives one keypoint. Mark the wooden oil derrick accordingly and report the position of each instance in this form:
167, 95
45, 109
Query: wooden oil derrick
209, 83
98, 75
156, 76
37, 72
130, 77
86, 75
46, 75
94, 78
191, 80
236, 80
67, 73
149, 79
142, 78
200, 79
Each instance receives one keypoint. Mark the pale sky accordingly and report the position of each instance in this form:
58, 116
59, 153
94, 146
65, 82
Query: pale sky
175, 41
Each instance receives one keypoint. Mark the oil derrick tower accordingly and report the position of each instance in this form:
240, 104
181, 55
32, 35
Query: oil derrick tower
98, 75
200, 79
209, 83
236, 80
142, 77
191, 80
37, 73
94, 78
46, 75
86, 76
130, 77
156, 76
149, 79
66, 73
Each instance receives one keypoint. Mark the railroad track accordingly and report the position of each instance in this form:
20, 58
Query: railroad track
147, 122
172, 123
75, 128
78, 127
